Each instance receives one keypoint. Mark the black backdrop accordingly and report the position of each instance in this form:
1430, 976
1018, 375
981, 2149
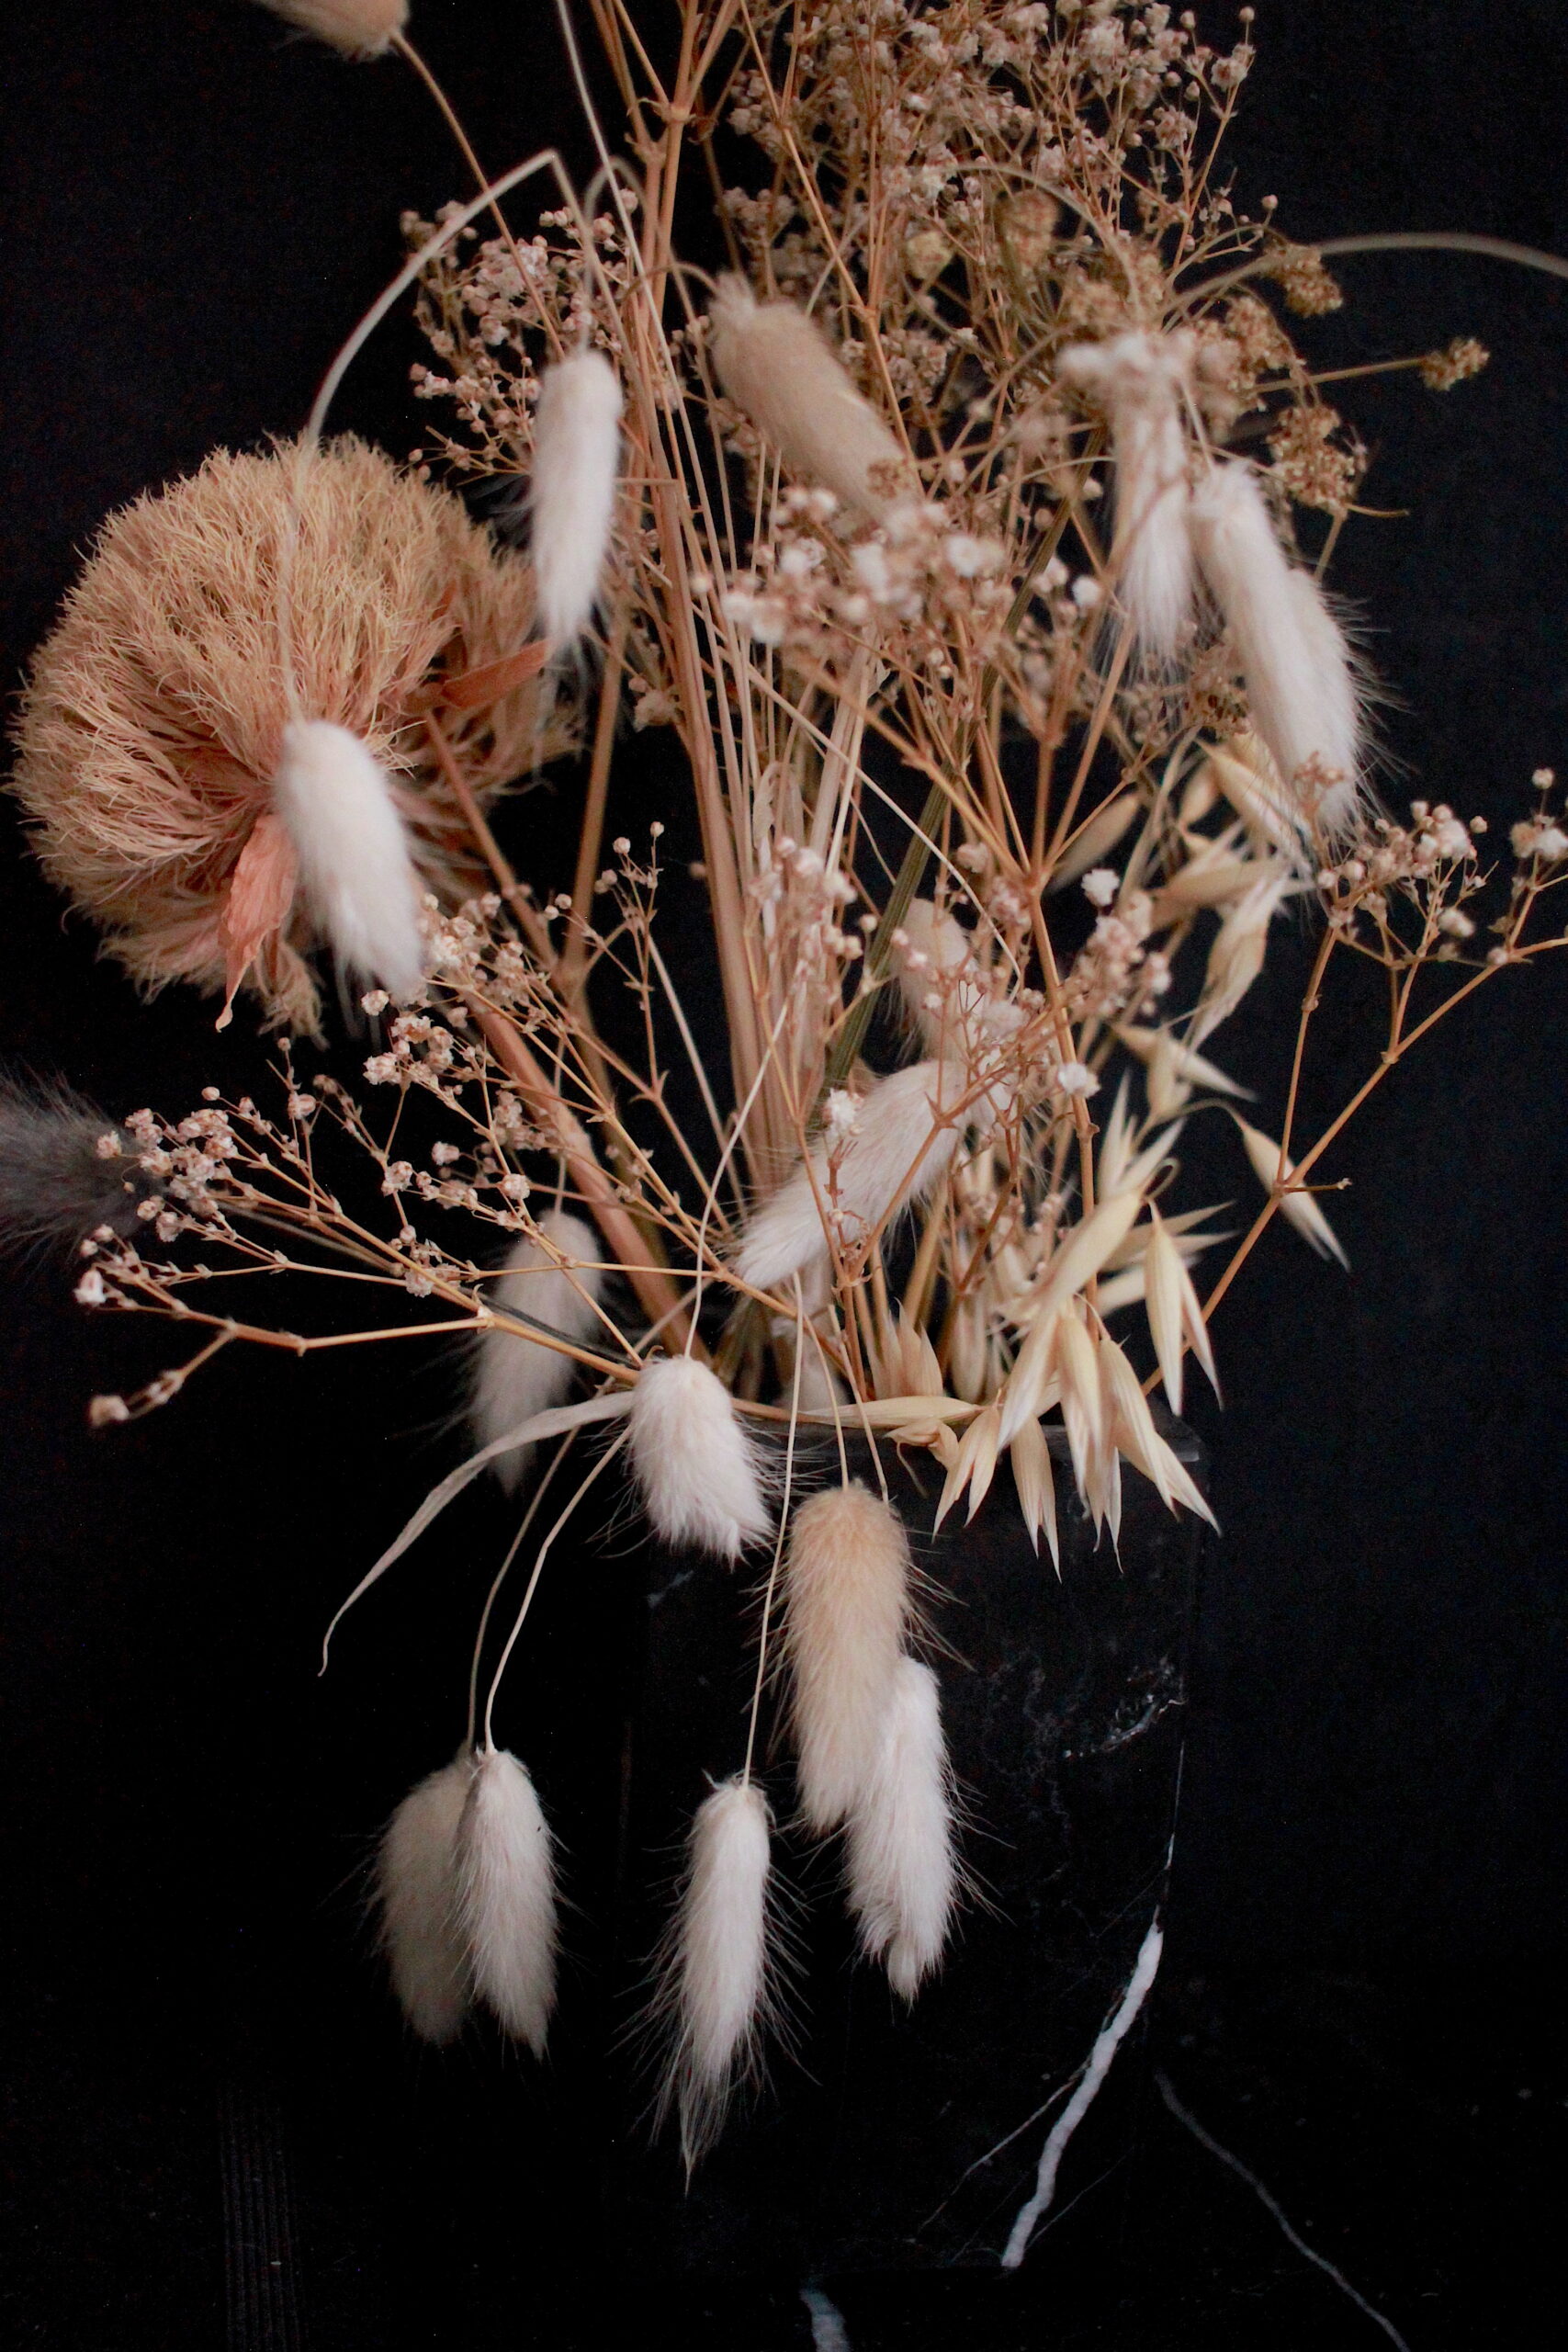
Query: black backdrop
196, 207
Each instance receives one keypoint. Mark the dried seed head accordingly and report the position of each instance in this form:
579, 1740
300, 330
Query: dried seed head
694, 1463
717, 1963
362, 29
901, 1145
417, 1898
846, 1608
505, 1876
777, 367
1236, 958
1138, 381
903, 1877
1299, 1208
65, 1170
355, 875
554, 1280
1300, 682
577, 444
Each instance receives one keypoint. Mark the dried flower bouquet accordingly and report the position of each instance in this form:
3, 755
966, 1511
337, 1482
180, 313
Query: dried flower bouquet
968, 533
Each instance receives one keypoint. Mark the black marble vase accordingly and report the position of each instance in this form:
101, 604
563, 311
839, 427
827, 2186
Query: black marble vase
890, 2139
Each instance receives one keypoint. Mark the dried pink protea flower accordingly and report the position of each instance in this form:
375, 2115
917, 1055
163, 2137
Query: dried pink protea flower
154, 723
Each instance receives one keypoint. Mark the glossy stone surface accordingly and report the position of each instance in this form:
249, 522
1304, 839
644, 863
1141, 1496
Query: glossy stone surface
886, 2139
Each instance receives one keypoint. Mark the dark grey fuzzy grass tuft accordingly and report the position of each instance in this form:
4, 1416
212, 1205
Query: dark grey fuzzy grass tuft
56, 1186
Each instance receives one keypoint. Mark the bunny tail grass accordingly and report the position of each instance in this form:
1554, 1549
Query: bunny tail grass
715, 1964
846, 1605
506, 1897
777, 366
897, 1152
695, 1465
1300, 682
416, 1896
552, 1281
362, 29
358, 879
902, 1876
576, 453
65, 1170
1137, 379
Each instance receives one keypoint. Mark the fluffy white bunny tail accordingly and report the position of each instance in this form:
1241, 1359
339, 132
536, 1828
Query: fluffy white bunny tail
516, 1378
777, 366
695, 1469
1338, 729
946, 990
577, 449
507, 1897
354, 870
903, 1879
893, 1154
1300, 682
934, 948
1137, 379
358, 27
416, 1897
846, 1592
717, 1985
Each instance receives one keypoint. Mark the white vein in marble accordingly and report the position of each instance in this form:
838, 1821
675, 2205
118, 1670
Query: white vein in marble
1272, 2207
829, 2332
1115, 2031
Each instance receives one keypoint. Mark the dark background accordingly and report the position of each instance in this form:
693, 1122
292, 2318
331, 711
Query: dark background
1360, 1992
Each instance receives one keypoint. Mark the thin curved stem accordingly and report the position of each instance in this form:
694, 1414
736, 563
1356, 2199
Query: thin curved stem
1392, 240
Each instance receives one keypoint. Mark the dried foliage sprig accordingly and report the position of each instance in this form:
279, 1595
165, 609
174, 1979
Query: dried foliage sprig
967, 538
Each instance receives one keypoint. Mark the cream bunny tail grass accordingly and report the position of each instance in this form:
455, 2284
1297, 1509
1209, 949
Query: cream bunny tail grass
716, 1987
577, 441
507, 1898
355, 875
903, 1879
846, 1606
1137, 379
1301, 685
777, 366
417, 1900
695, 1465
361, 29
554, 1280
895, 1151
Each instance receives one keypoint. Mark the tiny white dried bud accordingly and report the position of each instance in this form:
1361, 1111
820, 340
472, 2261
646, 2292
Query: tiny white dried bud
840, 1115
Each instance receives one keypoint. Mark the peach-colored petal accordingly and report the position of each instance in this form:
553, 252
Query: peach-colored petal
474, 688
260, 895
